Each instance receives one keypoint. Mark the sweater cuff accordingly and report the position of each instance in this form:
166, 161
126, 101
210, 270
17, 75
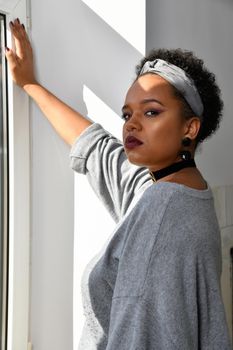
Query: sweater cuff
83, 146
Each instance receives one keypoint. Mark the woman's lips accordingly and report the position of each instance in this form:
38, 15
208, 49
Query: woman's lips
131, 142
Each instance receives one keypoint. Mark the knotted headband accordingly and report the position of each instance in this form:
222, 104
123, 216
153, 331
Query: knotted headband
178, 78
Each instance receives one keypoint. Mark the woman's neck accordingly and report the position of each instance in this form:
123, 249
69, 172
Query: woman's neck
190, 177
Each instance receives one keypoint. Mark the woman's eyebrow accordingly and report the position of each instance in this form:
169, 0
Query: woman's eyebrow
144, 101
147, 100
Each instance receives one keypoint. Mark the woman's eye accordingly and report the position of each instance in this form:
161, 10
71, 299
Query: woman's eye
125, 116
152, 112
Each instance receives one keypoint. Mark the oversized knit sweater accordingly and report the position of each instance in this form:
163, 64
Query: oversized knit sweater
155, 285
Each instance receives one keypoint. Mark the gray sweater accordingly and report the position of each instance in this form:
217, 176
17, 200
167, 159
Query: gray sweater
155, 285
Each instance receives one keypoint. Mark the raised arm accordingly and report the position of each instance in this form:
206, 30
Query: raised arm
67, 122
94, 152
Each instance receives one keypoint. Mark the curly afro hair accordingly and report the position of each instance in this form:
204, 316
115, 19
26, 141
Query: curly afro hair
205, 84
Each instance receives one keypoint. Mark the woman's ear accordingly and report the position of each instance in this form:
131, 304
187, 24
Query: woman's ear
192, 127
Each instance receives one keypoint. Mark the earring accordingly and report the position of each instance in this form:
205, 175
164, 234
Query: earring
186, 155
186, 142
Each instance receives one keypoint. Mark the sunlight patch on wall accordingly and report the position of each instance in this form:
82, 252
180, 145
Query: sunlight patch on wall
100, 112
126, 17
88, 240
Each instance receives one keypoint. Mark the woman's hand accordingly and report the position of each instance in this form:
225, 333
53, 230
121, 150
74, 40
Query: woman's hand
68, 123
21, 61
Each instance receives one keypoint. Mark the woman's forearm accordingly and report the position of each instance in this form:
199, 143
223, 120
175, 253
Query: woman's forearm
67, 122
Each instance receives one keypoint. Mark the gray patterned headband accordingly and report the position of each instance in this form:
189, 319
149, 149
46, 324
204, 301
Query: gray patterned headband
178, 78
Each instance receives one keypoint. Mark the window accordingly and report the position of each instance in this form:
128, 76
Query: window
3, 186
15, 189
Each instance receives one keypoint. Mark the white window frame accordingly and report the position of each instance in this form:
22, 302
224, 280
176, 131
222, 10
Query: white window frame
19, 197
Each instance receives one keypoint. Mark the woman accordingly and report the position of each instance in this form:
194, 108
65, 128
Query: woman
156, 283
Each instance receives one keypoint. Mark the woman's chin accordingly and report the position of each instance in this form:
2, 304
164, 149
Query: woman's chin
135, 160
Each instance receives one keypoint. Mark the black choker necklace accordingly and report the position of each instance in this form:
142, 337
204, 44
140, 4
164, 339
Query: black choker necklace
156, 175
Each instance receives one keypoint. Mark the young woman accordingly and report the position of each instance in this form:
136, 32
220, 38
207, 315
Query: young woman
156, 283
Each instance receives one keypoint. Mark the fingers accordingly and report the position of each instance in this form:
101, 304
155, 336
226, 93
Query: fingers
11, 59
16, 31
22, 44
20, 27
20, 60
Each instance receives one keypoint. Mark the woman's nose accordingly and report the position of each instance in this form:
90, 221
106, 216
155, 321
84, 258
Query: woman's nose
133, 123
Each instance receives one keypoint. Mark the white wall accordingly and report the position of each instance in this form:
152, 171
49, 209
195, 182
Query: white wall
82, 58
206, 28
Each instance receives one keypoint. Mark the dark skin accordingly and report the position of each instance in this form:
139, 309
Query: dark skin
161, 127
